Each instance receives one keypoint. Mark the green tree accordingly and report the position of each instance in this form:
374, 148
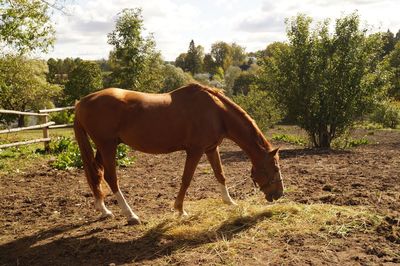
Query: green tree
231, 74
23, 86
174, 77
393, 65
194, 59
238, 54
180, 61
84, 79
25, 26
209, 64
389, 42
243, 82
222, 54
260, 106
326, 81
60, 70
134, 60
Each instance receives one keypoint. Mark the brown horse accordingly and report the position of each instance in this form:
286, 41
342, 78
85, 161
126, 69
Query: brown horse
193, 118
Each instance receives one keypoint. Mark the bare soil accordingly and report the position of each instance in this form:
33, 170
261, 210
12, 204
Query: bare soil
47, 216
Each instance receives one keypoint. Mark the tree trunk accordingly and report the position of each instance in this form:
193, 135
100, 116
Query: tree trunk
21, 121
324, 138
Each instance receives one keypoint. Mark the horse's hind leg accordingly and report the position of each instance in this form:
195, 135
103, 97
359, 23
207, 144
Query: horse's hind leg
108, 153
215, 161
192, 159
97, 191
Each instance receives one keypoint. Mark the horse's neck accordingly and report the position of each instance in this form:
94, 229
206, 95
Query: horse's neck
249, 138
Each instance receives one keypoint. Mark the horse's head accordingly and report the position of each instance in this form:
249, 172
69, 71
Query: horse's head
268, 176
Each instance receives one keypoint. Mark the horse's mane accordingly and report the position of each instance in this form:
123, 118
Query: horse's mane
219, 93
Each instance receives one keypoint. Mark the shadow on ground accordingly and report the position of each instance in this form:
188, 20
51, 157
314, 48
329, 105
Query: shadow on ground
87, 248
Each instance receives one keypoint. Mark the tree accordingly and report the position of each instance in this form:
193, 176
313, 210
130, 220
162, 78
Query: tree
209, 64
260, 106
180, 61
326, 81
134, 60
194, 59
393, 65
243, 83
23, 86
60, 70
389, 42
84, 79
238, 54
174, 77
231, 74
222, 54
25, 26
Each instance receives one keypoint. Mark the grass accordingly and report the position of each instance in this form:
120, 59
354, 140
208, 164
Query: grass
292, 139
19, 159
224, 231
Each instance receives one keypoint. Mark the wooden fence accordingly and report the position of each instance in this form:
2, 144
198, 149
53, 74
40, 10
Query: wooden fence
46, 125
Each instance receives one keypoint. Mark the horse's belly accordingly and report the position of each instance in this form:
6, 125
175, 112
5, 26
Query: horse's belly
153, 143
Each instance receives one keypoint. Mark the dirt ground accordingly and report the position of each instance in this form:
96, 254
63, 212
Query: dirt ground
47, 216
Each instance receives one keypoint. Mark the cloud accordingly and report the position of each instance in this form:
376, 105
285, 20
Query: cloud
252, 24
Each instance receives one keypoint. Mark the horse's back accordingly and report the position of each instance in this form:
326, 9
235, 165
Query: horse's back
155, 123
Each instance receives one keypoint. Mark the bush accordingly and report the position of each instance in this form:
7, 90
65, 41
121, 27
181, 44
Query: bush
69, 156
290, 139
63, 117
388, 115
260, 106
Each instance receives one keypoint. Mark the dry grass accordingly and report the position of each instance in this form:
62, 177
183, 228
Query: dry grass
222, 233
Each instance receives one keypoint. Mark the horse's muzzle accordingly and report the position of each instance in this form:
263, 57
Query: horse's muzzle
273, 196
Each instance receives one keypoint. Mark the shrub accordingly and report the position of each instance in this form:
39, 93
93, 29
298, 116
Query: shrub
68, 154
290, 139
326, 79
388, 115
260, 106
63, 117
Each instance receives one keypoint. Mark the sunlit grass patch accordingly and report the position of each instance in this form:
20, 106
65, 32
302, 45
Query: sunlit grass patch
210, 219
224, 232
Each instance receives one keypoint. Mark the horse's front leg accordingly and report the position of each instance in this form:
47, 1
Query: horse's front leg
215, 161
192, 159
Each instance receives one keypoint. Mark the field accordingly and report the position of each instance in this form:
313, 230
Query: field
340, 207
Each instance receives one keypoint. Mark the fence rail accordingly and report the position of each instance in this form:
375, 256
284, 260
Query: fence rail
46, 125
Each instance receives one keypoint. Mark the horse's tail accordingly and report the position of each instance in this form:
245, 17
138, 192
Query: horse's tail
93, 168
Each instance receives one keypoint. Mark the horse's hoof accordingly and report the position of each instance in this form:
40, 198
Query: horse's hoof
107, 215
230, 202
183, 214
134, 221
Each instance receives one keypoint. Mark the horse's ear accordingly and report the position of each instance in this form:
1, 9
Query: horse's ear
274, 152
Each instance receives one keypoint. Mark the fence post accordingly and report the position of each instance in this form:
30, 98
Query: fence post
46, 134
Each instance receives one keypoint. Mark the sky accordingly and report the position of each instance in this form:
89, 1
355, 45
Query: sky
253, 24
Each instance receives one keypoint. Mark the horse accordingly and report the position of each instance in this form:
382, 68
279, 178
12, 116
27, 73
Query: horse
193, 118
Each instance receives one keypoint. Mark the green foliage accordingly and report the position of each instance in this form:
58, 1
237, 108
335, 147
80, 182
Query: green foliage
134, 61
25, 26
23, 85
68, 154
244, 82
325, 81
222, 54
387, 114
345, 142
393, 65
174, 77
260, 106
292, 139
231, 75
63, 117
60, 69
84, 79
194, 59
